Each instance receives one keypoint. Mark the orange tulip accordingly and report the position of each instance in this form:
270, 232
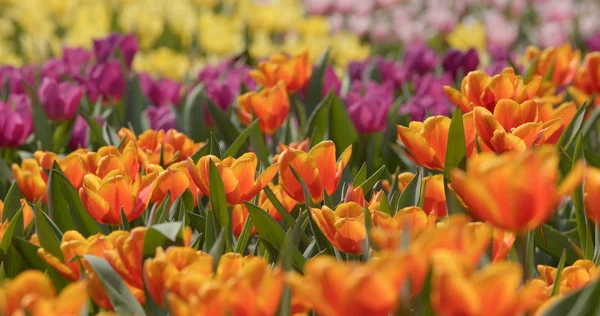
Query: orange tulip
502, 241
302, 145
175, 179
31, 179
317, 168
32, 293
109, 158
238, 176
513, 126
294, 72
105, 197
98, 292
587, 81
344, 228
427, 141
574, 277
563, 60
566, 111
432, 189
591, 190
126, 256
514, 191
491, 291
163, 272
479, 89
388, 231
74, 165
270, 105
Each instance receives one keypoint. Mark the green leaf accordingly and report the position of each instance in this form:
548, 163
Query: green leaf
553, 242
214, 148
341, 127
41, 122
530, 71
370, 182
456, 155
590, 122
110, 136
287, 218
193, 115
314, 89
240, 140
124, 221
582, 302
217, 249
368, 225
62, 134
119, 295
410, 195
95, 130
12, 202
257, 141
361, 175
384, 205
160, 212
134, 103
8, 233
579, 207
218, 199
48, 239
210, 230
272, 232
242, 242
571, 131
28, 252
197, 222
225, 127
181, 206
318, 121
559, 270
550, 72
158, 235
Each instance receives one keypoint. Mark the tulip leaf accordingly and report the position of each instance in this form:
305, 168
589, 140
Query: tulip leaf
411, 194
214, 148
46, 235
257, 141
592, 158
271, 231
65, 206
95, 130
581, 302
193, 115
8, 233
201, 152
550, 72
225, 127
456, 154
41, 124
159, 213
218, 199
240, 140
368, 184
384, 205
361, 175
197, 222
368, 226
559, 270
590, 122
530, 70
571, 131
217, 249
110, 136
124, 221
314, 89
134, 103
242, 242
341, 128
165, 234
287, 218
181, 206
12, 202
62, 134
210, 230
318, 121
553, 242
119, 295
29, 252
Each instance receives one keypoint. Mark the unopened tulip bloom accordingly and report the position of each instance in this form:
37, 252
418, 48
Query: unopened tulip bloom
238, 175
294, 71
592, 193
16, 121
105, 80
221, 93
270, 105
429, 98
318, 168
344, 227
31, 179
161, 118
368, 105
587, 81
419, 59
434, 198
114, 44
174, 180
109, 158
563, 60
513, 126
427, 141
456, 61
105, 197
389, 231
479, 89
160, 92
60, 100
491, 181
573, 277
171, 144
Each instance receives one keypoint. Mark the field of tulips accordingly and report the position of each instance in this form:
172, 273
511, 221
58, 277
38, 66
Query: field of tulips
300, 157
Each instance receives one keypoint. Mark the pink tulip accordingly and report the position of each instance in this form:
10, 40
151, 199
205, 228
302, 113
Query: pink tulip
16, 121
318, 7
500, 32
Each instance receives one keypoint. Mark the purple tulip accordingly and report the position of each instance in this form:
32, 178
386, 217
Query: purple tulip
16, 121
593, 42
160, 92
419, 59
75, 60
15, 78
79, 137
368, 105
104, 48
233, 73
161, 117
106, 80
221, 94
53, 68
60, 100
429, 97
456, 60
391, 71
331, 82
356, 70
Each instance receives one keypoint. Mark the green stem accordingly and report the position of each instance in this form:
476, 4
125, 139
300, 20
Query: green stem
525, 246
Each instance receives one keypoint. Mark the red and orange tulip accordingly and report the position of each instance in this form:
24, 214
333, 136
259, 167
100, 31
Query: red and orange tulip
563, 60
126, 256
74, 165
105, 197
317, 168
294, 71
31, 179
109, 158
513, 126
566, 111
174, 180
172, 145
479, 89
270, 105
432, 189
344, 227
587, 81
573, 277
514, 191
591, 190
238, 176
427, 141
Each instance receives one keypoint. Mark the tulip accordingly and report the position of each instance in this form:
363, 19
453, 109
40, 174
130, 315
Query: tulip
107, 47
294, 72
427, 141
302, 145
74, 166
456, 61
502, 240
31, 179
562, 60
106, 80
566, 111
479, 89
161, 118
16, 121
592, 193
160, 92
105, 198
513, 126
429, 98
126, 256
174, 180
172, 145
368, 105
432, 190
109, 158
419, 59
491, 181
74, 60
270, 105
60, 100
230, 73
238, 176
317, 168
593, 42
32, 293
574, 277
344, 228
587, 81
79, 135
221, 94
